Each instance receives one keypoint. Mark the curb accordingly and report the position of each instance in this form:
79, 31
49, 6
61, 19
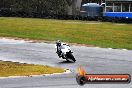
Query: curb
51, 42
113, 48
67, 71
117, 49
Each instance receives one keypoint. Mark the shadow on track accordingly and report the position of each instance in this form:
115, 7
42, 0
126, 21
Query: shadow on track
65, 62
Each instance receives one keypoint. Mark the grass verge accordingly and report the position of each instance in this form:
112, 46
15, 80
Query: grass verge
92, 33
20, 69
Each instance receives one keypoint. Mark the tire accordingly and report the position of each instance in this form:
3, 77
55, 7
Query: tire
71, 57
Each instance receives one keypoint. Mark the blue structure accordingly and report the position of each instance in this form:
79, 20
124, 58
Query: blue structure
90, 10
118, 14
118, 8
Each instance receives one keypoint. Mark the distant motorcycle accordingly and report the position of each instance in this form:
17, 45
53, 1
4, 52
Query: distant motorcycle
66, 53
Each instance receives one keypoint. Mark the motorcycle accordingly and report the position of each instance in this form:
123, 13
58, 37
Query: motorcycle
66, 53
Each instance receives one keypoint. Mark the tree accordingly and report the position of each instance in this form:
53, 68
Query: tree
57, 7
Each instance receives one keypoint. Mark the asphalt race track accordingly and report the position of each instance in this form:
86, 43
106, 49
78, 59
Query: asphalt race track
92, 59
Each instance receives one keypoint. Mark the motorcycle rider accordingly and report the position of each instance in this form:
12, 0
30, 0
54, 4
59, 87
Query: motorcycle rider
63, 50
58, 44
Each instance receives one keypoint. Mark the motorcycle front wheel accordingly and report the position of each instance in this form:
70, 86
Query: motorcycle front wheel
71, 57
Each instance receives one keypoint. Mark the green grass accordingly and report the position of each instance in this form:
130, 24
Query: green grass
19, 69
83, 32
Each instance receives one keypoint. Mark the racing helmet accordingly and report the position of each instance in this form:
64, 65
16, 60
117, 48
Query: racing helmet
58, 43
